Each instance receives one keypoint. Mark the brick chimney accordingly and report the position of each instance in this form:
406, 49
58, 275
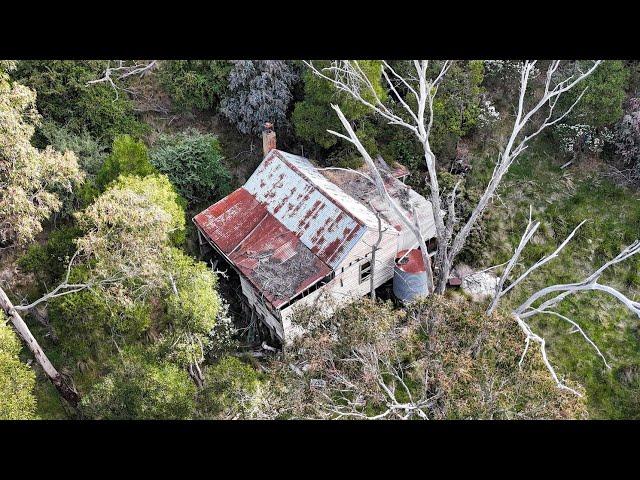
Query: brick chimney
268, 138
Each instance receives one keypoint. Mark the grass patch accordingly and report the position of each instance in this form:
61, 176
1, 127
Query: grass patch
561, 199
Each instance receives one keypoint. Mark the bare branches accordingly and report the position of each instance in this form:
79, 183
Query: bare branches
65, 288
348, 77
382, 191
527, 309
526, 237
388, 377
123, 71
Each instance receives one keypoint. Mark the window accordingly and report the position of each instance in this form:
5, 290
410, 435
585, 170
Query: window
365, 271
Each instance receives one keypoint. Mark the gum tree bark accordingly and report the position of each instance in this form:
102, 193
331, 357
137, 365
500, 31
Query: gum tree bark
66, 390
347, 76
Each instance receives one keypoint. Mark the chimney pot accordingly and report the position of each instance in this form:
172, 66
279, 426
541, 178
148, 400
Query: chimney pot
268, 138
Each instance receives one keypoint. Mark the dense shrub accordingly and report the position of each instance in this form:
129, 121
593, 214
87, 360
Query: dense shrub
193, 309
601, 104
444, 350
65, 98
139, 388
457, 106
259, 92
48, 261
313, 116
89, 151
33, 182
92, 324
128, 157
196, 84
231, 389
627, 138
17, 380
193, 163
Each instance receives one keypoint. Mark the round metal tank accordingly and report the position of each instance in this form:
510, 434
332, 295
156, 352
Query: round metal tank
409, 275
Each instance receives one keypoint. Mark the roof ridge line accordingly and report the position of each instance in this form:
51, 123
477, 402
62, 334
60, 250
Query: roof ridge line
321, 190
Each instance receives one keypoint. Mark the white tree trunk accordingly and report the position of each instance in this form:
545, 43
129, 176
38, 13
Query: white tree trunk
64, 388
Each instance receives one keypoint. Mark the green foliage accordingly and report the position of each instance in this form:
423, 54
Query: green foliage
140, 388
231, 387
34, 182
159, 191
195, 83
457, 105
561, 199
440, 348
48, 262
312, 116
128, 157
65, 98
192, 309
601, 104
193, 163
89, 151
17, 380
89, 322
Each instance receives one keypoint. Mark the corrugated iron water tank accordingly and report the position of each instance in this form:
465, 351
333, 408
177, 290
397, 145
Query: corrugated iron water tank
409, 275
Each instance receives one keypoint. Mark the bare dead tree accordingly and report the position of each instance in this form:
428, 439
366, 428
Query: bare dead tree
374, 248
347, 76
411, 224
347, 398
527, 309
64, 387
531, 229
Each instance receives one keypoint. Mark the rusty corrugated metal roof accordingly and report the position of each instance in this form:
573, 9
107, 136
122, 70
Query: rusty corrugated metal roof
228, 221
277, 262
290, 226
324, 225
270, 256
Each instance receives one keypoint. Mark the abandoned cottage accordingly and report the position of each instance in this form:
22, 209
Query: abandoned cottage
294, 232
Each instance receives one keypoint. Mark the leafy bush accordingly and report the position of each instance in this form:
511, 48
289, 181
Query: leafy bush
193, 163
128, 157
65, 98
48, 262
444, 350
259, 92
195, 83
601, 103
231, 387
17, 380
91, 323
627, 138
89, 151
457, 106
129, 227
313, 116
33, 182
140, 388
192, 309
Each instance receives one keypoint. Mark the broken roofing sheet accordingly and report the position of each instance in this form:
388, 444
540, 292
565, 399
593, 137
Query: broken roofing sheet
270, 256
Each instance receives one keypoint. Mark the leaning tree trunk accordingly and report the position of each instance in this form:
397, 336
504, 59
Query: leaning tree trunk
64, 388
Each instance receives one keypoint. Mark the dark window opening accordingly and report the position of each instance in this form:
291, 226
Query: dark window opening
365, 271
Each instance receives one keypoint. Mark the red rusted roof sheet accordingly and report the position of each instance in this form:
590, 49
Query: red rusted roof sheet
410, 261
270, 256
277, 262
228, 221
